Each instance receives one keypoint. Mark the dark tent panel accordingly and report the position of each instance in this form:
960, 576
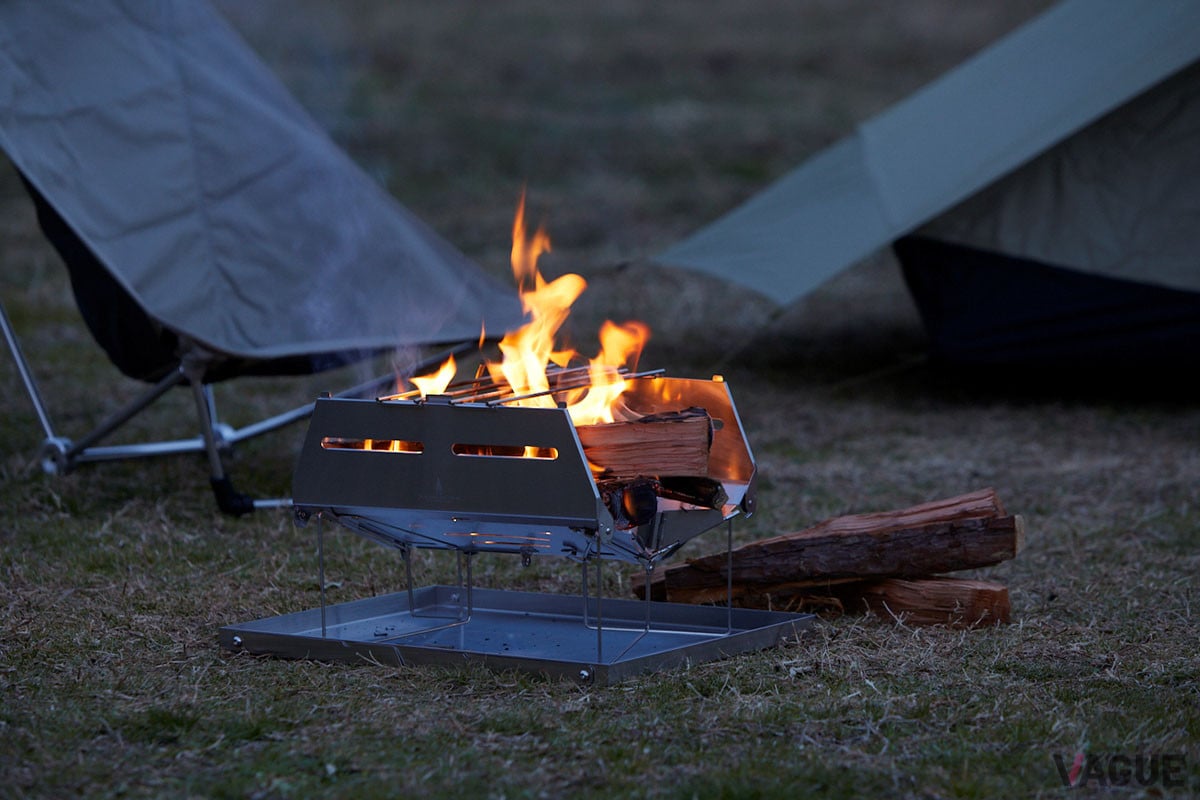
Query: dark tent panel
137, 345
1088, 257
1043, 197
986, 309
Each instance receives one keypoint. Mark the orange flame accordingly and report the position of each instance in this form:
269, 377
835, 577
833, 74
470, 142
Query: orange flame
528, 350
436, 382
620, 345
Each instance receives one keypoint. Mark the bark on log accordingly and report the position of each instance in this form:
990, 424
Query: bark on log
956, 602
958, 533
674, 443
939, 600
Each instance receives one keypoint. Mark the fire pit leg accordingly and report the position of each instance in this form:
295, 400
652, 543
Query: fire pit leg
406, 557
469, 586
599, 614
599, 626
321, 567
728, 577
466, 591
649, 576
646, 604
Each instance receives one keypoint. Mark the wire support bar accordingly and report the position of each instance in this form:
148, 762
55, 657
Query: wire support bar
579, 385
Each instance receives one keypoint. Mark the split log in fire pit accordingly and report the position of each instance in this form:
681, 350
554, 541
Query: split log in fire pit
887, 562
666, 443
661, 455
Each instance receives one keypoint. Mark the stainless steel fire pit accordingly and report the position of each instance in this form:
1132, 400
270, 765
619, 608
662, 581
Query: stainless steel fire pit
454, 474
471, 472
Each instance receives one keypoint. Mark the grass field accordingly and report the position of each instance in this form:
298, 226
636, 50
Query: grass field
631, 124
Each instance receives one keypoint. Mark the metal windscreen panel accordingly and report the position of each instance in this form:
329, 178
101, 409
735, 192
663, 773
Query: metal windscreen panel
486, 476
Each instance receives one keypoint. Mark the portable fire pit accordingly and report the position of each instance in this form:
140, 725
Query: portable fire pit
471, 471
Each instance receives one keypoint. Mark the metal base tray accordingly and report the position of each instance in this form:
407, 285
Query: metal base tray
551, 634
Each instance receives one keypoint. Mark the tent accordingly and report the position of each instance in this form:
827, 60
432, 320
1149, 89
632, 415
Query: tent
210, 227
1043, 197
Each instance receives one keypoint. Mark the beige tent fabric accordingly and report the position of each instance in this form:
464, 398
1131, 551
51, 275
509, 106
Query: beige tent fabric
1132, 209
982, 121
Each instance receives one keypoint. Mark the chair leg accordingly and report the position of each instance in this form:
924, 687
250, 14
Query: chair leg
229, 500
87, 448
59, 454
31, 386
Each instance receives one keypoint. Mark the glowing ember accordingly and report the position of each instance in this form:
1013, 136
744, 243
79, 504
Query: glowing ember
528, 350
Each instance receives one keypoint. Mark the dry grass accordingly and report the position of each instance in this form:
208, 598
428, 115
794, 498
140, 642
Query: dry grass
632, 123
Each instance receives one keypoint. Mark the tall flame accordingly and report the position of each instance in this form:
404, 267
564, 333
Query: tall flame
528, 350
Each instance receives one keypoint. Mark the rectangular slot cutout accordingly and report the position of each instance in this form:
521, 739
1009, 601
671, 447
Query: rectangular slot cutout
372, 445
505, 451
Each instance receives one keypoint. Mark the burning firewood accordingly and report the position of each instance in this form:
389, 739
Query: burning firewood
664, 444
662, 455
846, 558
635, 502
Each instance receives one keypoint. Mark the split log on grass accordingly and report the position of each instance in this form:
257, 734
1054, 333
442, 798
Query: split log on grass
671, 443
957, 533
957, 602
940, 600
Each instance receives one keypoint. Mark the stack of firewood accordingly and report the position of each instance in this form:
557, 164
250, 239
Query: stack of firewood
891, 563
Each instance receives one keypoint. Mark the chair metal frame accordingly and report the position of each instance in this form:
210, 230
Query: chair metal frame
59, 455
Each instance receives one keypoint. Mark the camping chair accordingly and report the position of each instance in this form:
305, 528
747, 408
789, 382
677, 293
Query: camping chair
210, 229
